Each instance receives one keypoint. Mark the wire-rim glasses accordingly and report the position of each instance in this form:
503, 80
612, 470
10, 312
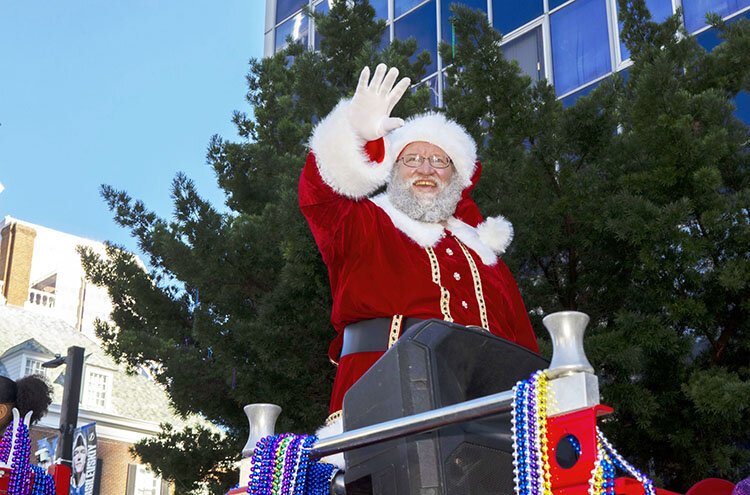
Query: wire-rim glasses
435, 161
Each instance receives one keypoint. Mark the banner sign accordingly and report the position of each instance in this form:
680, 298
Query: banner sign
83, 474
46, 449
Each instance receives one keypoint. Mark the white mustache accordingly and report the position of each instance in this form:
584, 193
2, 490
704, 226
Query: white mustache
424, 182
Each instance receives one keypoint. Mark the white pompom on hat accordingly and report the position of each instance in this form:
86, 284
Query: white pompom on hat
436, 129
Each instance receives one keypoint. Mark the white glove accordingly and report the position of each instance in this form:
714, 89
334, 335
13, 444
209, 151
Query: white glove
373, 101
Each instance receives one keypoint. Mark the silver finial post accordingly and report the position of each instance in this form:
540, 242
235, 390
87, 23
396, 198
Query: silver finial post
573, 384
566, 329
262, 419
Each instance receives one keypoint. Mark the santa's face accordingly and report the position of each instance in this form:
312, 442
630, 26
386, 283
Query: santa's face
426, 181
420, 189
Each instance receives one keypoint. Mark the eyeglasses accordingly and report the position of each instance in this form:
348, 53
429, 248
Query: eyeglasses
436, 161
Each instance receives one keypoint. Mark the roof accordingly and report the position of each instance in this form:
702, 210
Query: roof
133, 395
30, 345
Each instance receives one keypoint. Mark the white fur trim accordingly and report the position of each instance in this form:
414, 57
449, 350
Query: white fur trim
341, 157
435, 128
470, 236
423, 233
335, 427
429, 234
497, 233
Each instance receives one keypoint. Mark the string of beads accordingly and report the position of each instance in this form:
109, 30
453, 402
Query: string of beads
531, 451
608, 459
21, 469
529, 430
281, 465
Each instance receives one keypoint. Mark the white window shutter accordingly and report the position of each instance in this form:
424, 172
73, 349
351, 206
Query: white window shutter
132, 473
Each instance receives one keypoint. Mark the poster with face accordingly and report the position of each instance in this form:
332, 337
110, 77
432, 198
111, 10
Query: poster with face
83, 472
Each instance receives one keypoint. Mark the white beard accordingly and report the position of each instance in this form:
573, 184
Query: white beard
432, 209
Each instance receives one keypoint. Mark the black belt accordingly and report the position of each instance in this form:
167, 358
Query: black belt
371, 335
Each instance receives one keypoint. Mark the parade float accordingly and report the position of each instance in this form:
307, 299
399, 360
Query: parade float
421, 421
18, 476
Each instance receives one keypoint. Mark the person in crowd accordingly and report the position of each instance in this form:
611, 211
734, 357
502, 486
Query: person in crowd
30, 393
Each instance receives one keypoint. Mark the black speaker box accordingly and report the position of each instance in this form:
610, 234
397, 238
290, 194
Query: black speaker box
436, 364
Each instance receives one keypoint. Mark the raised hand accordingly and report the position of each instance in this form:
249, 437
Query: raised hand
373, 101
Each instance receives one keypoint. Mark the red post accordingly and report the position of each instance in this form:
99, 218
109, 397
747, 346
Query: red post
4, 480
61, 475
574, 479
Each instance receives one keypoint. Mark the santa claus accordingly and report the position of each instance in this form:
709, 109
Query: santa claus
418, 250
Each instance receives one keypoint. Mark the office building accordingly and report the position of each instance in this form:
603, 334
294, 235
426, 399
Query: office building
574, 44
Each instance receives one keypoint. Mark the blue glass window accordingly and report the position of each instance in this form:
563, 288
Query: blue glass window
285, 8
296, 27
556, 3
508, 15
432, 85
743, 106
385, 40
422, 25
660, 10
446, 28
402, 6
322, 8
381, 8
571, 98
580, 44
709, 39
695, 10
528, 51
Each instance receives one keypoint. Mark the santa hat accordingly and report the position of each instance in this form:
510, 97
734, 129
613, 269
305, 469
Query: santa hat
436, 129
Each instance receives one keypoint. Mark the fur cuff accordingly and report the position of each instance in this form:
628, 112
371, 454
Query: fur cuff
332, 428
341, 157
496, 232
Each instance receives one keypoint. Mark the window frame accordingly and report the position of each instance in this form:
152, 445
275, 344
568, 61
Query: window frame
538, 23
162, 486
26, 359
612, 38
87, 383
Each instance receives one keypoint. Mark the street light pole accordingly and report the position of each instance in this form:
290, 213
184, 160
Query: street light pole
70, 400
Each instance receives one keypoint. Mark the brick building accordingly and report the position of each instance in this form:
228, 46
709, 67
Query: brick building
47, 306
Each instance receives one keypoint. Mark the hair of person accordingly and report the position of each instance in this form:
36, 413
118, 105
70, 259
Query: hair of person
8, 390
33, 394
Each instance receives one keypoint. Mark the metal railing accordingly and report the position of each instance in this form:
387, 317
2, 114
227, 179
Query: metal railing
572, 382
41, 298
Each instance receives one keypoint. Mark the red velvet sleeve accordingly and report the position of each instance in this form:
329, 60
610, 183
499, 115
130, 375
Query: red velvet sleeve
324, 209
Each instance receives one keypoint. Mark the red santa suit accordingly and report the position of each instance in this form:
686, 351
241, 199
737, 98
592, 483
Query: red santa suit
382, 263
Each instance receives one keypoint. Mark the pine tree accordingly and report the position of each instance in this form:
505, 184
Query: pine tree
632, 206
235, 306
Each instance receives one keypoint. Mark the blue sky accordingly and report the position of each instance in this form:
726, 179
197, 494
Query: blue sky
126, 93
